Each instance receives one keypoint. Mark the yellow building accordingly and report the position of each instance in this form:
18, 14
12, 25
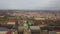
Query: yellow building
40, 18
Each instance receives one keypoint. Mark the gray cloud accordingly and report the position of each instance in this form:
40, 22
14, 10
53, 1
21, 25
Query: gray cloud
30, 4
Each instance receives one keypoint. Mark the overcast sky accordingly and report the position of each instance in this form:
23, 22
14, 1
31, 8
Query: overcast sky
30, 4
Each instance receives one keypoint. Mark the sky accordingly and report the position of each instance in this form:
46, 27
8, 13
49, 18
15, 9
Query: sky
30, 4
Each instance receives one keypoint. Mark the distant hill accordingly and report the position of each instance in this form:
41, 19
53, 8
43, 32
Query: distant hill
38, 11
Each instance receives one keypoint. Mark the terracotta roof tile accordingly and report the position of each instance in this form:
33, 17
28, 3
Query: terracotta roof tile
12, 20
57, 30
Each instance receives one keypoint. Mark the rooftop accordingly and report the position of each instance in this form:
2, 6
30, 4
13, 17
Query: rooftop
3, 29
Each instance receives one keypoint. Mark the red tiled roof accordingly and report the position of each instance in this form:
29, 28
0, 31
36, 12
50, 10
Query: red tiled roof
12, 20
56, 30
9, 32
2, 23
